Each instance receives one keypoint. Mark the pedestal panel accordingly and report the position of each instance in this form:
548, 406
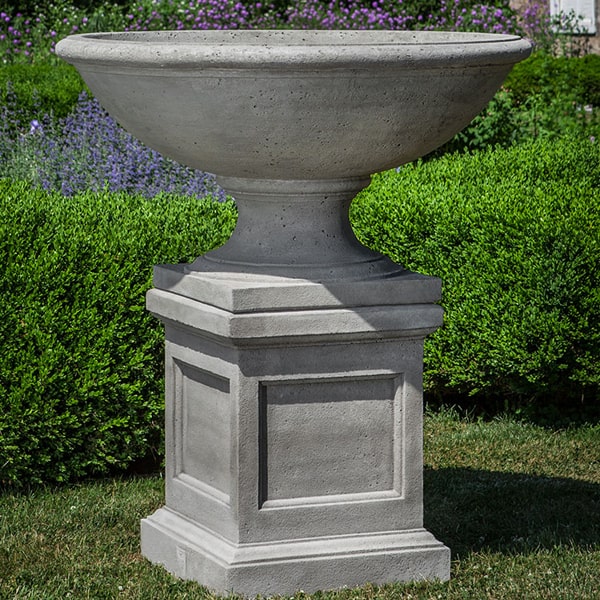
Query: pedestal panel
328, 437
204, 407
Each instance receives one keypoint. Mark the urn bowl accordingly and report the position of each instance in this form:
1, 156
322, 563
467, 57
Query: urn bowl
293, 104
293, 123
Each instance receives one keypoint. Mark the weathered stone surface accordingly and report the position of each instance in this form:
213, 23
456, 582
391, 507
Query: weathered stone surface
293, 105
284, 567
248, 292
294, 437
293, 123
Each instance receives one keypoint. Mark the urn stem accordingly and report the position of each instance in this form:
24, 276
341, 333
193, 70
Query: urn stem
296, 229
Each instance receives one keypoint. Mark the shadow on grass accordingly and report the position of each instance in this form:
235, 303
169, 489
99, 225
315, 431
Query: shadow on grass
472, 510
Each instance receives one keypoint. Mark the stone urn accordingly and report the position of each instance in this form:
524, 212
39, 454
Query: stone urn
293, 353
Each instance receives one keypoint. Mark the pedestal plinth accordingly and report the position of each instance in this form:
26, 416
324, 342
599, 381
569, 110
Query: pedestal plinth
293, 432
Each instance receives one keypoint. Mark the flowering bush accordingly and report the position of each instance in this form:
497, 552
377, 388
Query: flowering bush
350, 14
26, 38
554, 34
198, 14
316, 14
454, 15
88, 151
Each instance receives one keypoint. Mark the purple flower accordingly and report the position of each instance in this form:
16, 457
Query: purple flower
35, 126
88, 151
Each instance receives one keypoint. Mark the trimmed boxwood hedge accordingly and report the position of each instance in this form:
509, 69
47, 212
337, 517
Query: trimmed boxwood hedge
81, 384
548, 75
515, 236
33, 91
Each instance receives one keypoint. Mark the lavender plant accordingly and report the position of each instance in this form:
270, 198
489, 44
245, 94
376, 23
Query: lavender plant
315, 14
535, 20
200, 14
352, 14
232, 14
89, 151
26, 38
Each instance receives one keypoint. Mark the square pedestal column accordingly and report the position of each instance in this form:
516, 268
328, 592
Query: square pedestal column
293, 432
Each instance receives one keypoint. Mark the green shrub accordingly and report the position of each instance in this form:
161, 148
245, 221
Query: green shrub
515, 236
496, 125
81, 387
40, 89
543, 96
588, 79
546, 75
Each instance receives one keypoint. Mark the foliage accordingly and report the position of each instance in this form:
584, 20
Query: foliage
496, 125
29, 32
29, 91
447, 15
561, 33
80, 368
457, 15
543, 96
555, 96
87, 150
547, 76
32, 37
515, 236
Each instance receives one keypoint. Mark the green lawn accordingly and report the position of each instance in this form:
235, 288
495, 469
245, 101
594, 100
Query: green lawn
518, 505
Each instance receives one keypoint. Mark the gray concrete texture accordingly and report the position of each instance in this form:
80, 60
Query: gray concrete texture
293, 105
294, 436
294, 355
293, 123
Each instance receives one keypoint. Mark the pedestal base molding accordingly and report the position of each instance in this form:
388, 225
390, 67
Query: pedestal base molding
283, 567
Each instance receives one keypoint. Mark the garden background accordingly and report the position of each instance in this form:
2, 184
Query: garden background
506, 213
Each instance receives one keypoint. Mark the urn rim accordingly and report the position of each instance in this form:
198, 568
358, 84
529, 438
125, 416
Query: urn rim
292, 48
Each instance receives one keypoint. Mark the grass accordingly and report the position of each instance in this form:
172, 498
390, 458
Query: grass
518, 504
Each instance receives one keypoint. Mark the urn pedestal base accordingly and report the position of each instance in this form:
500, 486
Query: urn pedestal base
191, 552
293, 432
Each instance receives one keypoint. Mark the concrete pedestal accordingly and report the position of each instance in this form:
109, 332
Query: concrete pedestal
293, 432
